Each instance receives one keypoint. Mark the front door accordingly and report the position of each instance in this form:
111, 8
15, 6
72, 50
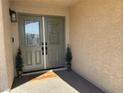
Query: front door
41, 42
54, 28
31, 37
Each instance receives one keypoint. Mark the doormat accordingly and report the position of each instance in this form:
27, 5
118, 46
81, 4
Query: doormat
47, 75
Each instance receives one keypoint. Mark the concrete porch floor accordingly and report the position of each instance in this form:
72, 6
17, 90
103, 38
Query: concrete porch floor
54, 82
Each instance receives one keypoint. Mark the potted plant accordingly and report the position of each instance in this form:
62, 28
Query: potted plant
68, 58
19, 63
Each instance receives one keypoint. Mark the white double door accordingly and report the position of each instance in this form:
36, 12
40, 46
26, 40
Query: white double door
42, 42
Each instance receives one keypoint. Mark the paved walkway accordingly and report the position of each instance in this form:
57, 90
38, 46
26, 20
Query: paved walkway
54, 82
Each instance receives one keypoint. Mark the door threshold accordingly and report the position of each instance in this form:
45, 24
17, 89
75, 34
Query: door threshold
42, 71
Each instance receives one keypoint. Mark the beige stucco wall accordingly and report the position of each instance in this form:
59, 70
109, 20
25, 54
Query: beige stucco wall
6, 58
96, 41
40, 10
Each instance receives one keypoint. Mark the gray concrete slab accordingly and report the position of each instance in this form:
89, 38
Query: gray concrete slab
58, 82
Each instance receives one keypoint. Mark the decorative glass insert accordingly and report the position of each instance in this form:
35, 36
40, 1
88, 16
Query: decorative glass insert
53, 34
32, 29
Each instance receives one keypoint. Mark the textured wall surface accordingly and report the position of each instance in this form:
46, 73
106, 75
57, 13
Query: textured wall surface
96, 41
6, 61
57, 3
3, 70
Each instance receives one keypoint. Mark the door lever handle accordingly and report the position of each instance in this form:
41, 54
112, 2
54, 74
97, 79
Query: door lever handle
46, 50
42, 51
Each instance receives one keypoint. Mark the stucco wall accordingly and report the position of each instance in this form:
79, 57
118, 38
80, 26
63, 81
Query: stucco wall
96, 41
6, 58
40, 10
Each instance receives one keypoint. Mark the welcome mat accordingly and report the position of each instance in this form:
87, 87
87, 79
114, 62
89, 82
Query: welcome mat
47, 75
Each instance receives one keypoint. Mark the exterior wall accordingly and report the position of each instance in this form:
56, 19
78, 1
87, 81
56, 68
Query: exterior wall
6, 61
96, 41
40, 10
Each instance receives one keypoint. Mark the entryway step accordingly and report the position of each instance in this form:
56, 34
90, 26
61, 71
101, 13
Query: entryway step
42, 71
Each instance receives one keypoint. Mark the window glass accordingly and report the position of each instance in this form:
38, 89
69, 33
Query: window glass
32, 33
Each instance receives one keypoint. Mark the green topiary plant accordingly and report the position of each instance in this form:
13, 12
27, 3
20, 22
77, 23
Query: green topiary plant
19, 63
68, 58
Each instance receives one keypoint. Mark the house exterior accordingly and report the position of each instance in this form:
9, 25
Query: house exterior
92, 28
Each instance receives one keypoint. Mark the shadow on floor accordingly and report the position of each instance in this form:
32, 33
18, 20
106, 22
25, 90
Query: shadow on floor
70, 77
19, 81
79, 83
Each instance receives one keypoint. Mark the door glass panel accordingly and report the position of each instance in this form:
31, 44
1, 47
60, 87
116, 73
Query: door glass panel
32, 29
53, 34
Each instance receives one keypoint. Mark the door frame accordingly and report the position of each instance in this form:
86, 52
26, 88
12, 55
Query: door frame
43, 29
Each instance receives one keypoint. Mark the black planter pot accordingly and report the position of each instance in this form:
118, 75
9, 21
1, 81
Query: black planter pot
68, 66
19, 74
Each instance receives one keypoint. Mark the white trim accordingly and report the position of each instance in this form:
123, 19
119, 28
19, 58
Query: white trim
44, 40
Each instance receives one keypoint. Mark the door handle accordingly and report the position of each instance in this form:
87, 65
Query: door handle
46, 50
42, 51
45, 43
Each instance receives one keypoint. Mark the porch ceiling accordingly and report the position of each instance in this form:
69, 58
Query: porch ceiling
57, 3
